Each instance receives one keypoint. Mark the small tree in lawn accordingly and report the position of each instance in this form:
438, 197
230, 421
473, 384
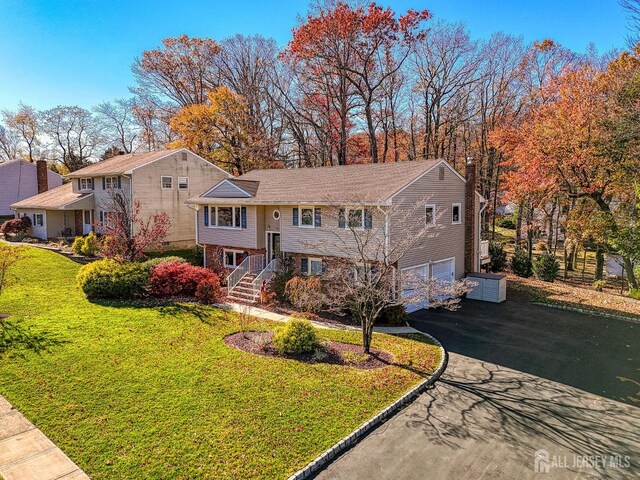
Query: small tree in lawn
127, 233
364, 280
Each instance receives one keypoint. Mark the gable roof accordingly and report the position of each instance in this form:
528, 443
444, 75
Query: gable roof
55, 199
368, 183
126, 163
25, 162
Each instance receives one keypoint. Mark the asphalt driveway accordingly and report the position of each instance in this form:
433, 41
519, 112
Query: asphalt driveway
521, 380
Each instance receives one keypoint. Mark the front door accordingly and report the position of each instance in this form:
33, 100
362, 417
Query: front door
87, 223
273, 245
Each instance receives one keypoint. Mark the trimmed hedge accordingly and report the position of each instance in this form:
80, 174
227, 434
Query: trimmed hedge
174, 278
109, 279
296, 336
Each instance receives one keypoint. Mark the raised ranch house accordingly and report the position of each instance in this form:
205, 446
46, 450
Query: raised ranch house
20, 179
161, 181
246, 223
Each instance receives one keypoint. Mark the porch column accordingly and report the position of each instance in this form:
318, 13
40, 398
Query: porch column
78, 222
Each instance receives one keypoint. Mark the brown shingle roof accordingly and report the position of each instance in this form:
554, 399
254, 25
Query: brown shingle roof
370, 183
53, 199
249, 186
119, 164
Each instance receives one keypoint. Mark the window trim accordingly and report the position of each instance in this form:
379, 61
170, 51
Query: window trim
362, 218
185, 182
433, 216
235, 260
276, 211
310, 260
459, 205
213, 216
114, 183
313, 216
87, 181
162, 177
35, 223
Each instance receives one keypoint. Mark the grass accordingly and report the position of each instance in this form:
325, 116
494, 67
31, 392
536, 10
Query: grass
153, 392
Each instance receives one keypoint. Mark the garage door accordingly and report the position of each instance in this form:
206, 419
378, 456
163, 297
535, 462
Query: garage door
442, 270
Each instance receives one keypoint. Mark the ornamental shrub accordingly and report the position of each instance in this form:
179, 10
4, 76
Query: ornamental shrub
17, 226
394, 315
296, 336
209, 290
174, 278
634, 293
304, 293
154, 262
599, 285
521, 263
285, 273
546, 267
76, 246
107, 278
91, 245
498, 257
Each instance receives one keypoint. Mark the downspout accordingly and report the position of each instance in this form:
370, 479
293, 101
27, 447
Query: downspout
130, 177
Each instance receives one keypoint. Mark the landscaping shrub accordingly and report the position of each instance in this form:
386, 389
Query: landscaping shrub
282, 277
634, 293
91, 245
498, 257
507, 222
154, 262
170, 279
17, 226
107, 278
395, 315
546, 267
304, 293
521, 263
76, 246
296, 336
209, 290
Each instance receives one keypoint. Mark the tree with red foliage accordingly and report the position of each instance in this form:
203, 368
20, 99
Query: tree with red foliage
127, 235
170, 279
361, 47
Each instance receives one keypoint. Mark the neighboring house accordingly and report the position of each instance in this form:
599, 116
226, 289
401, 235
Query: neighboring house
20, 179
257, 216
161, 181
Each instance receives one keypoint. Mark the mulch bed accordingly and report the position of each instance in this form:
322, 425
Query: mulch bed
336, 353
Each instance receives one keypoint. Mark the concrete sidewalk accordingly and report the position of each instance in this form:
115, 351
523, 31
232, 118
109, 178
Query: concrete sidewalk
278, 317
27, 454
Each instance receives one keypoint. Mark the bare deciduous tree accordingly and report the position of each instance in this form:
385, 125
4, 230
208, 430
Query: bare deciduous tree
118, 123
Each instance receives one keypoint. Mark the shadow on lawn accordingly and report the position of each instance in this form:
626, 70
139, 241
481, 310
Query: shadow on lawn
481, 401
16, 339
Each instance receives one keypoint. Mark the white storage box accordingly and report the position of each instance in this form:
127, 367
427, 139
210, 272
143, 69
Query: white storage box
490, 287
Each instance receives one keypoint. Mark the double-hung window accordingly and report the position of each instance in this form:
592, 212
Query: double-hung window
225, 217
166, 182
308, 217
456, 214
38, 220
111, 183
183, 183
86, 184
311, 266
355, 218
430, 215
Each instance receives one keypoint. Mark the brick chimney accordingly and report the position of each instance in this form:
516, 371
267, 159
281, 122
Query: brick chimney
42, 175
470, 217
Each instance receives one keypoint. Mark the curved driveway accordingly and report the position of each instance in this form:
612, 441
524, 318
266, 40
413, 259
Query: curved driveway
521, 379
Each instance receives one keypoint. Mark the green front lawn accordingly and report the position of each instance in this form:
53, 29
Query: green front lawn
153, 392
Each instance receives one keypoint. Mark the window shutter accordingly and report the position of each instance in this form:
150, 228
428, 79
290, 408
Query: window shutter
368, 219
104, 183
91, 181
34, 218
295, 217
341, 219
119, 183
101, 216
324, 266
317, 217
304, 265
206, 215
79, 185
243, 217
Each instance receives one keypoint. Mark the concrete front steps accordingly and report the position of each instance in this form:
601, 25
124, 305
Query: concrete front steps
243, 292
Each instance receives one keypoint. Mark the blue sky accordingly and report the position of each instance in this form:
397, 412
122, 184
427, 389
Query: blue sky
79, 52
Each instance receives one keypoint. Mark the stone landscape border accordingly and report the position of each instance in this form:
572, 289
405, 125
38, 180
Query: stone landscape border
363, 430
587, 311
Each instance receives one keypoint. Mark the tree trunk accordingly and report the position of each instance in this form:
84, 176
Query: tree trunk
628, 267
599, 275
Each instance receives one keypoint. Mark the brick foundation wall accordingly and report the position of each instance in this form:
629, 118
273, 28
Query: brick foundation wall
212, 253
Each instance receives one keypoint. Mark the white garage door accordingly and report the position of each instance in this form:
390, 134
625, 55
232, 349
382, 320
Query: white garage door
442, 270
